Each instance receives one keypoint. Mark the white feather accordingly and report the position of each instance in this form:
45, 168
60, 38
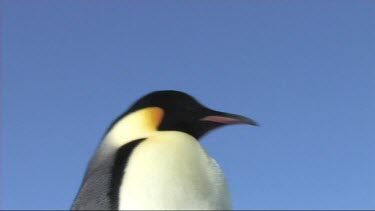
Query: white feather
170, 170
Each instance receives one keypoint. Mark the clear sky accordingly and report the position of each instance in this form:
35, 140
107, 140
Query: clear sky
305, 70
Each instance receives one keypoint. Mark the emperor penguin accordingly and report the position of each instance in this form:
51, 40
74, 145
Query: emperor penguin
151, 158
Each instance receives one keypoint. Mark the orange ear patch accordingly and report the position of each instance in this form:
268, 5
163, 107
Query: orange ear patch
152, 117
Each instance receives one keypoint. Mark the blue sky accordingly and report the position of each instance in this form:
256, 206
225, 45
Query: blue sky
304, 69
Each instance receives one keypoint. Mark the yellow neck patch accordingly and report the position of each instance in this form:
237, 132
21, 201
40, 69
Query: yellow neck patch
148, 118
138, 124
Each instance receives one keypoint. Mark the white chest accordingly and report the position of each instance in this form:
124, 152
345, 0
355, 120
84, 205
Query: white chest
172, 171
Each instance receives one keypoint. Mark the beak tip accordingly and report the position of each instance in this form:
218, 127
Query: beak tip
253, 123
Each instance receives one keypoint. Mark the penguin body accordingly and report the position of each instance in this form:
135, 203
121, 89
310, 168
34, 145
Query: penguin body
187, 178
151, 158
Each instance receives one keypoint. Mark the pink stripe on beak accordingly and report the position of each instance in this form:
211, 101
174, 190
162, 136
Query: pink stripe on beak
220, 119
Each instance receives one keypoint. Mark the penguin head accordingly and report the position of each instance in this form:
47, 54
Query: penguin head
178, 111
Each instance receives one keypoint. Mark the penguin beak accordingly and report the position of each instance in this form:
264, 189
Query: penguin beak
228, 119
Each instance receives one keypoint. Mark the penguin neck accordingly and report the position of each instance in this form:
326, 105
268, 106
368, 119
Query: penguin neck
136, 125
